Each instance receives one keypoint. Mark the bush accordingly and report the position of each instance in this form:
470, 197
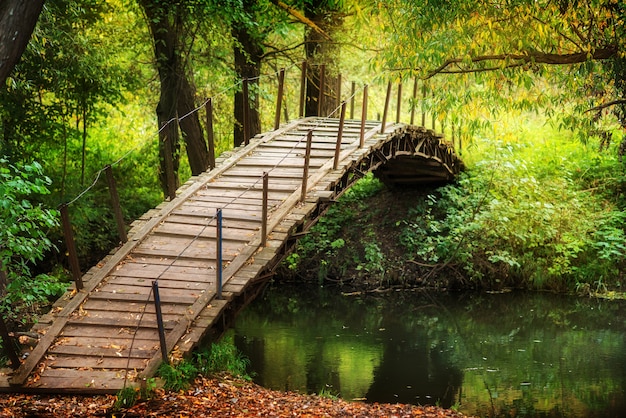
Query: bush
24, 225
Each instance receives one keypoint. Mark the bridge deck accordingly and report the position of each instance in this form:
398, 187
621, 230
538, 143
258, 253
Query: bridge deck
105, 336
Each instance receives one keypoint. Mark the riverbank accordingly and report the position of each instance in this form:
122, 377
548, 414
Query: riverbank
215, 397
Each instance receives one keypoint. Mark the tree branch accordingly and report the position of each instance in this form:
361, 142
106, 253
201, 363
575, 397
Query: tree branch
605, 105
300, 17
536, 57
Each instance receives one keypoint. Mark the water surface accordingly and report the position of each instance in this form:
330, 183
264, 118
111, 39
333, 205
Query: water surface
515, 354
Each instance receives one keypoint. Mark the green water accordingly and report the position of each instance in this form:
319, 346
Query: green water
525, 355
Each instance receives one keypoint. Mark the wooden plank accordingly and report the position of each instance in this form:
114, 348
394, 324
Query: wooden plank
85, 351
179, 282
68, 380
148, 270
73, 362
133, 307
110, 342
88, 331
140, 297
120, 322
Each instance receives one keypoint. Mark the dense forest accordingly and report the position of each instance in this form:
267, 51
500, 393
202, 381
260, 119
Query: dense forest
532, 90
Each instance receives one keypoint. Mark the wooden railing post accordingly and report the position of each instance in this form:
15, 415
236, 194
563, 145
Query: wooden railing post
160, 325
424, 105
320, 98
302, 89
453, 134
399, 102
209, 132
339, 135
115, 202
279, 99
246, 113
218, 255
387, 98
264, 210
71, 247
460, 137
307, 158
414, 101
352, 91
338, 101
363, 118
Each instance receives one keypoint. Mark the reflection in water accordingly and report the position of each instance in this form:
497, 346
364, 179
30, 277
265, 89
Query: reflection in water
489, 355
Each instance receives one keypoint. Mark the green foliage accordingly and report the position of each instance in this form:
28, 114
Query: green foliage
220, 357
125, 398
223, 356
522, 218
24, 228
178, 377
325, 245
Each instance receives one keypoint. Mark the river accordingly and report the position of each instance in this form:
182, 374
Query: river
511, 354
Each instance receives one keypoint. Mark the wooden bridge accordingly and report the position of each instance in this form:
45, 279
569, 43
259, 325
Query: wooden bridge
105, 336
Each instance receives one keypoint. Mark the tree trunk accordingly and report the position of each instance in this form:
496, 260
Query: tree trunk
247, 65
197, 148
320, 50
165, 36
17, 22
176, 98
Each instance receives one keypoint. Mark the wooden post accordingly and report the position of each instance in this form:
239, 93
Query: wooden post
399, 102
339, 135
71, 247
264, 210
433, 117
363, 118
302, 89
338, 102
307, 158
453, 134
424, 105
160, 326
414, 101
115, 202
387, 98
279, 99
246, 113
218, 255
210, 134
352, 91
320, 98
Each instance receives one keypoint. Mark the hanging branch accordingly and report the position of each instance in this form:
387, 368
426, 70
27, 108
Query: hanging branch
300, 17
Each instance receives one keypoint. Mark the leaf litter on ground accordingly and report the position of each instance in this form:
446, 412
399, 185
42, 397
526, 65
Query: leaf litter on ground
211, 397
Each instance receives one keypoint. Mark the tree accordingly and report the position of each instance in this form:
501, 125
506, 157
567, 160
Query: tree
172, 38
62, 84
513, 39
327, 15
17, 21
248, 55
